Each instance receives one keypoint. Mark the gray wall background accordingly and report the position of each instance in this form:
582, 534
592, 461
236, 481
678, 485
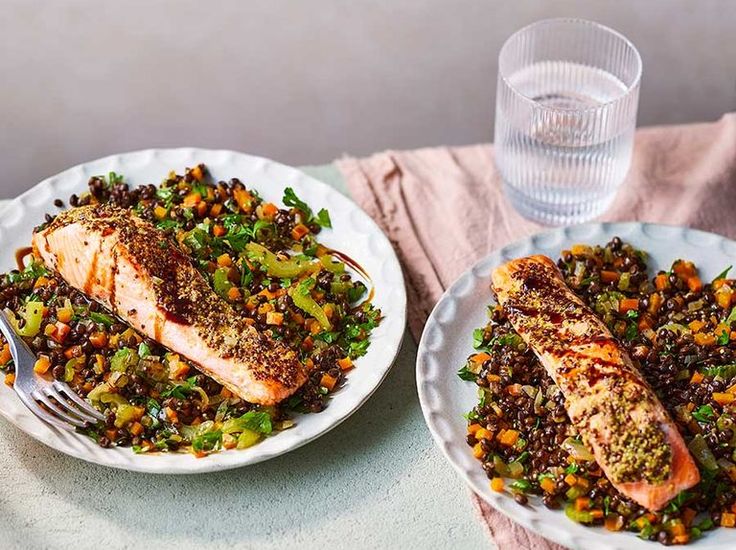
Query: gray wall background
306, 81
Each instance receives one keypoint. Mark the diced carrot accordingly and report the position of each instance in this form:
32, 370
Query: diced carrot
226, 393
308, 343
548, 485
493, 378
111, 434
73, 351
497, 484
41, 282
628, 304
218, 230
274, 318
474, 427
483, 433
582, 503
160, 212
10, 379
655, 302
704, 339
5, 356
683, 269
244, 199
571, 479
723, 398
216, 209
681, 539
265, 308
61, 332
581, 250
661, 282
224, 260
645, 322
609, 276
202, 208
596, 513
697, 378
197, 172
613, 522
192, 200
136, 428
513, 389
696, 325
728, 519
723, 296
98, 339
481, 357
695, 284
269, 210
234, 294
178, 369
267, 293
42, 364
315, 327
509, 438
678, 529
732, 389
721, 329
583, 483
64, 314
299, 231
345, 363
171, 415
329, 310
229, 442
328, 381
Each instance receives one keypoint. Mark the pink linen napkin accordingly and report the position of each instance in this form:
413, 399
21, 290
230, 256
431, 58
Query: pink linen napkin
443, 209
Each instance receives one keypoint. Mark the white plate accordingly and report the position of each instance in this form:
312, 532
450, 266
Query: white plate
353, 233
447, 341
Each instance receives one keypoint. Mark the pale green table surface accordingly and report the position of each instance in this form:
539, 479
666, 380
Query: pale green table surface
375, 481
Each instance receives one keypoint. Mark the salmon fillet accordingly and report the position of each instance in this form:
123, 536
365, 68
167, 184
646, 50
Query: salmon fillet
133, 269
617, 414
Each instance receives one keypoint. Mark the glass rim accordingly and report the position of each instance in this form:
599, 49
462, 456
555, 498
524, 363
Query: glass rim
577, 20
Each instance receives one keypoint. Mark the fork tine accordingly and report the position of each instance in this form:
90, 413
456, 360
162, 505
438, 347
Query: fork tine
52, 392
38, 396
70, 394
36, 409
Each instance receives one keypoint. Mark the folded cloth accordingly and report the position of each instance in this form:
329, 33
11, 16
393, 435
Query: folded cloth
443, 209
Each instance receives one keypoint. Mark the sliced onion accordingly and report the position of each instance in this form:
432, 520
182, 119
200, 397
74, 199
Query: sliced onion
577, 450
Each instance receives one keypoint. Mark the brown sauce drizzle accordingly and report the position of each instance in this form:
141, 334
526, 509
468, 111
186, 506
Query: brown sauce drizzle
21, 254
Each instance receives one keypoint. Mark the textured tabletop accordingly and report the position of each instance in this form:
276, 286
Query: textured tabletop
375, 481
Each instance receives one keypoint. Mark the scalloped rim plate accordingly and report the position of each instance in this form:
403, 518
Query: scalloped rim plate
447, 341
353, 233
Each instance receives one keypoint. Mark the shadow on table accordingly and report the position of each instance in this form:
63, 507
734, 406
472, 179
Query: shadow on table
312, 485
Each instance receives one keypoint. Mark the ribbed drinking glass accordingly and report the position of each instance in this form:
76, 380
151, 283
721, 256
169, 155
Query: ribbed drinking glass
568, 91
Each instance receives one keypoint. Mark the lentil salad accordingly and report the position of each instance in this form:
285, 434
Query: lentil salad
264, 260
678, 331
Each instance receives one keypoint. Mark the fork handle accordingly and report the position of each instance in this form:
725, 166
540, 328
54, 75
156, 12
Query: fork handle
18, 348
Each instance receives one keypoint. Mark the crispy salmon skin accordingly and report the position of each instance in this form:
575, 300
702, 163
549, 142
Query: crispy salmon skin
133, 269
615, 411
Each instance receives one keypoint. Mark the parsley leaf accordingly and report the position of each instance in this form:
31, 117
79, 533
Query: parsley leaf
703, 413
723, 338
323, 217
466, 374
722, 274
180, 391
632, 331
478, 337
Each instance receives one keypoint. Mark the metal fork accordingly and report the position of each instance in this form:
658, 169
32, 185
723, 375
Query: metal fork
61, 406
